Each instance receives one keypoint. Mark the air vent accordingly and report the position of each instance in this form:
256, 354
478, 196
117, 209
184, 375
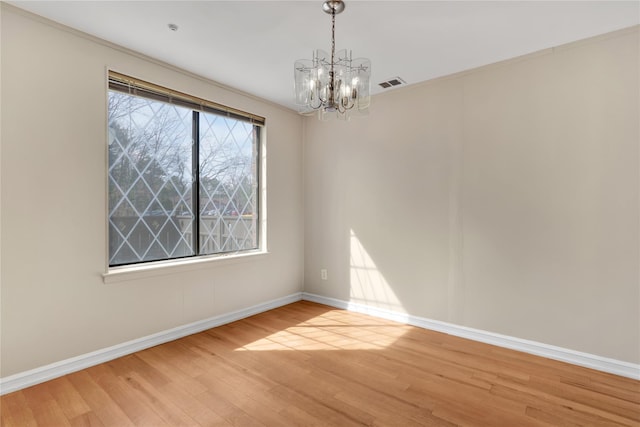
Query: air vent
394, 81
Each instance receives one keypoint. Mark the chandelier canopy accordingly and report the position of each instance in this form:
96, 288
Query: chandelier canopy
334, 85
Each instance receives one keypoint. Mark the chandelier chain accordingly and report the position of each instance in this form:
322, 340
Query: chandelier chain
333, 54
333, 37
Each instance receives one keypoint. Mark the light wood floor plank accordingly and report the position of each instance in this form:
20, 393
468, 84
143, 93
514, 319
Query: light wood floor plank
14, 410
120, 391
88, 419
107, 410
44, 407
306, 364
67, 397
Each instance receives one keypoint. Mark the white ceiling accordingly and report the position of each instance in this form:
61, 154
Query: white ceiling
251, 45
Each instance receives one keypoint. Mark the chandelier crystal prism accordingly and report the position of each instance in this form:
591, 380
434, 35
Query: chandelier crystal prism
334, 85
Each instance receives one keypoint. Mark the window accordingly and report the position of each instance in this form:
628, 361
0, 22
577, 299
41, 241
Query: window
183, 175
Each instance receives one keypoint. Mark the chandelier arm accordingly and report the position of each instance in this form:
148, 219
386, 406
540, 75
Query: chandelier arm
343, 107
321, 103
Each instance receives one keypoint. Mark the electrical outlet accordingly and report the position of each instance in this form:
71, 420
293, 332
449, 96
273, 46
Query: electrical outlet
323, 274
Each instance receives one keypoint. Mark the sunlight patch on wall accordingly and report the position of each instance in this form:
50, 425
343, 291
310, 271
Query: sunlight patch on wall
368, 284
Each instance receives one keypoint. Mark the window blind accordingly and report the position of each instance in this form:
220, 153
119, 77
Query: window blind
133, 86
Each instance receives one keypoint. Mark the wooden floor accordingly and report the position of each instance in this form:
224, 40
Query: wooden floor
306, 364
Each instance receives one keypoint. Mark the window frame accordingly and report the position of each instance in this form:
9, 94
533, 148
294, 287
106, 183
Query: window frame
118, 82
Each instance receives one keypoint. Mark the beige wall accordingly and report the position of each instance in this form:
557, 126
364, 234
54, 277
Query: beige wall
54, 302
504, 199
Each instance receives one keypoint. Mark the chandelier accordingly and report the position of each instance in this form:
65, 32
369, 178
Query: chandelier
334, 85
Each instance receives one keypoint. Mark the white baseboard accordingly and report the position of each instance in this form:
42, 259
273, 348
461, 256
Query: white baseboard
44, 373
587, 360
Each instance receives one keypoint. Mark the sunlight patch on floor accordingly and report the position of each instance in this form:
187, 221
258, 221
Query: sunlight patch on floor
327, 333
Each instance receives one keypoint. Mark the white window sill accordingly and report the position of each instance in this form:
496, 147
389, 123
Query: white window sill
161, 268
